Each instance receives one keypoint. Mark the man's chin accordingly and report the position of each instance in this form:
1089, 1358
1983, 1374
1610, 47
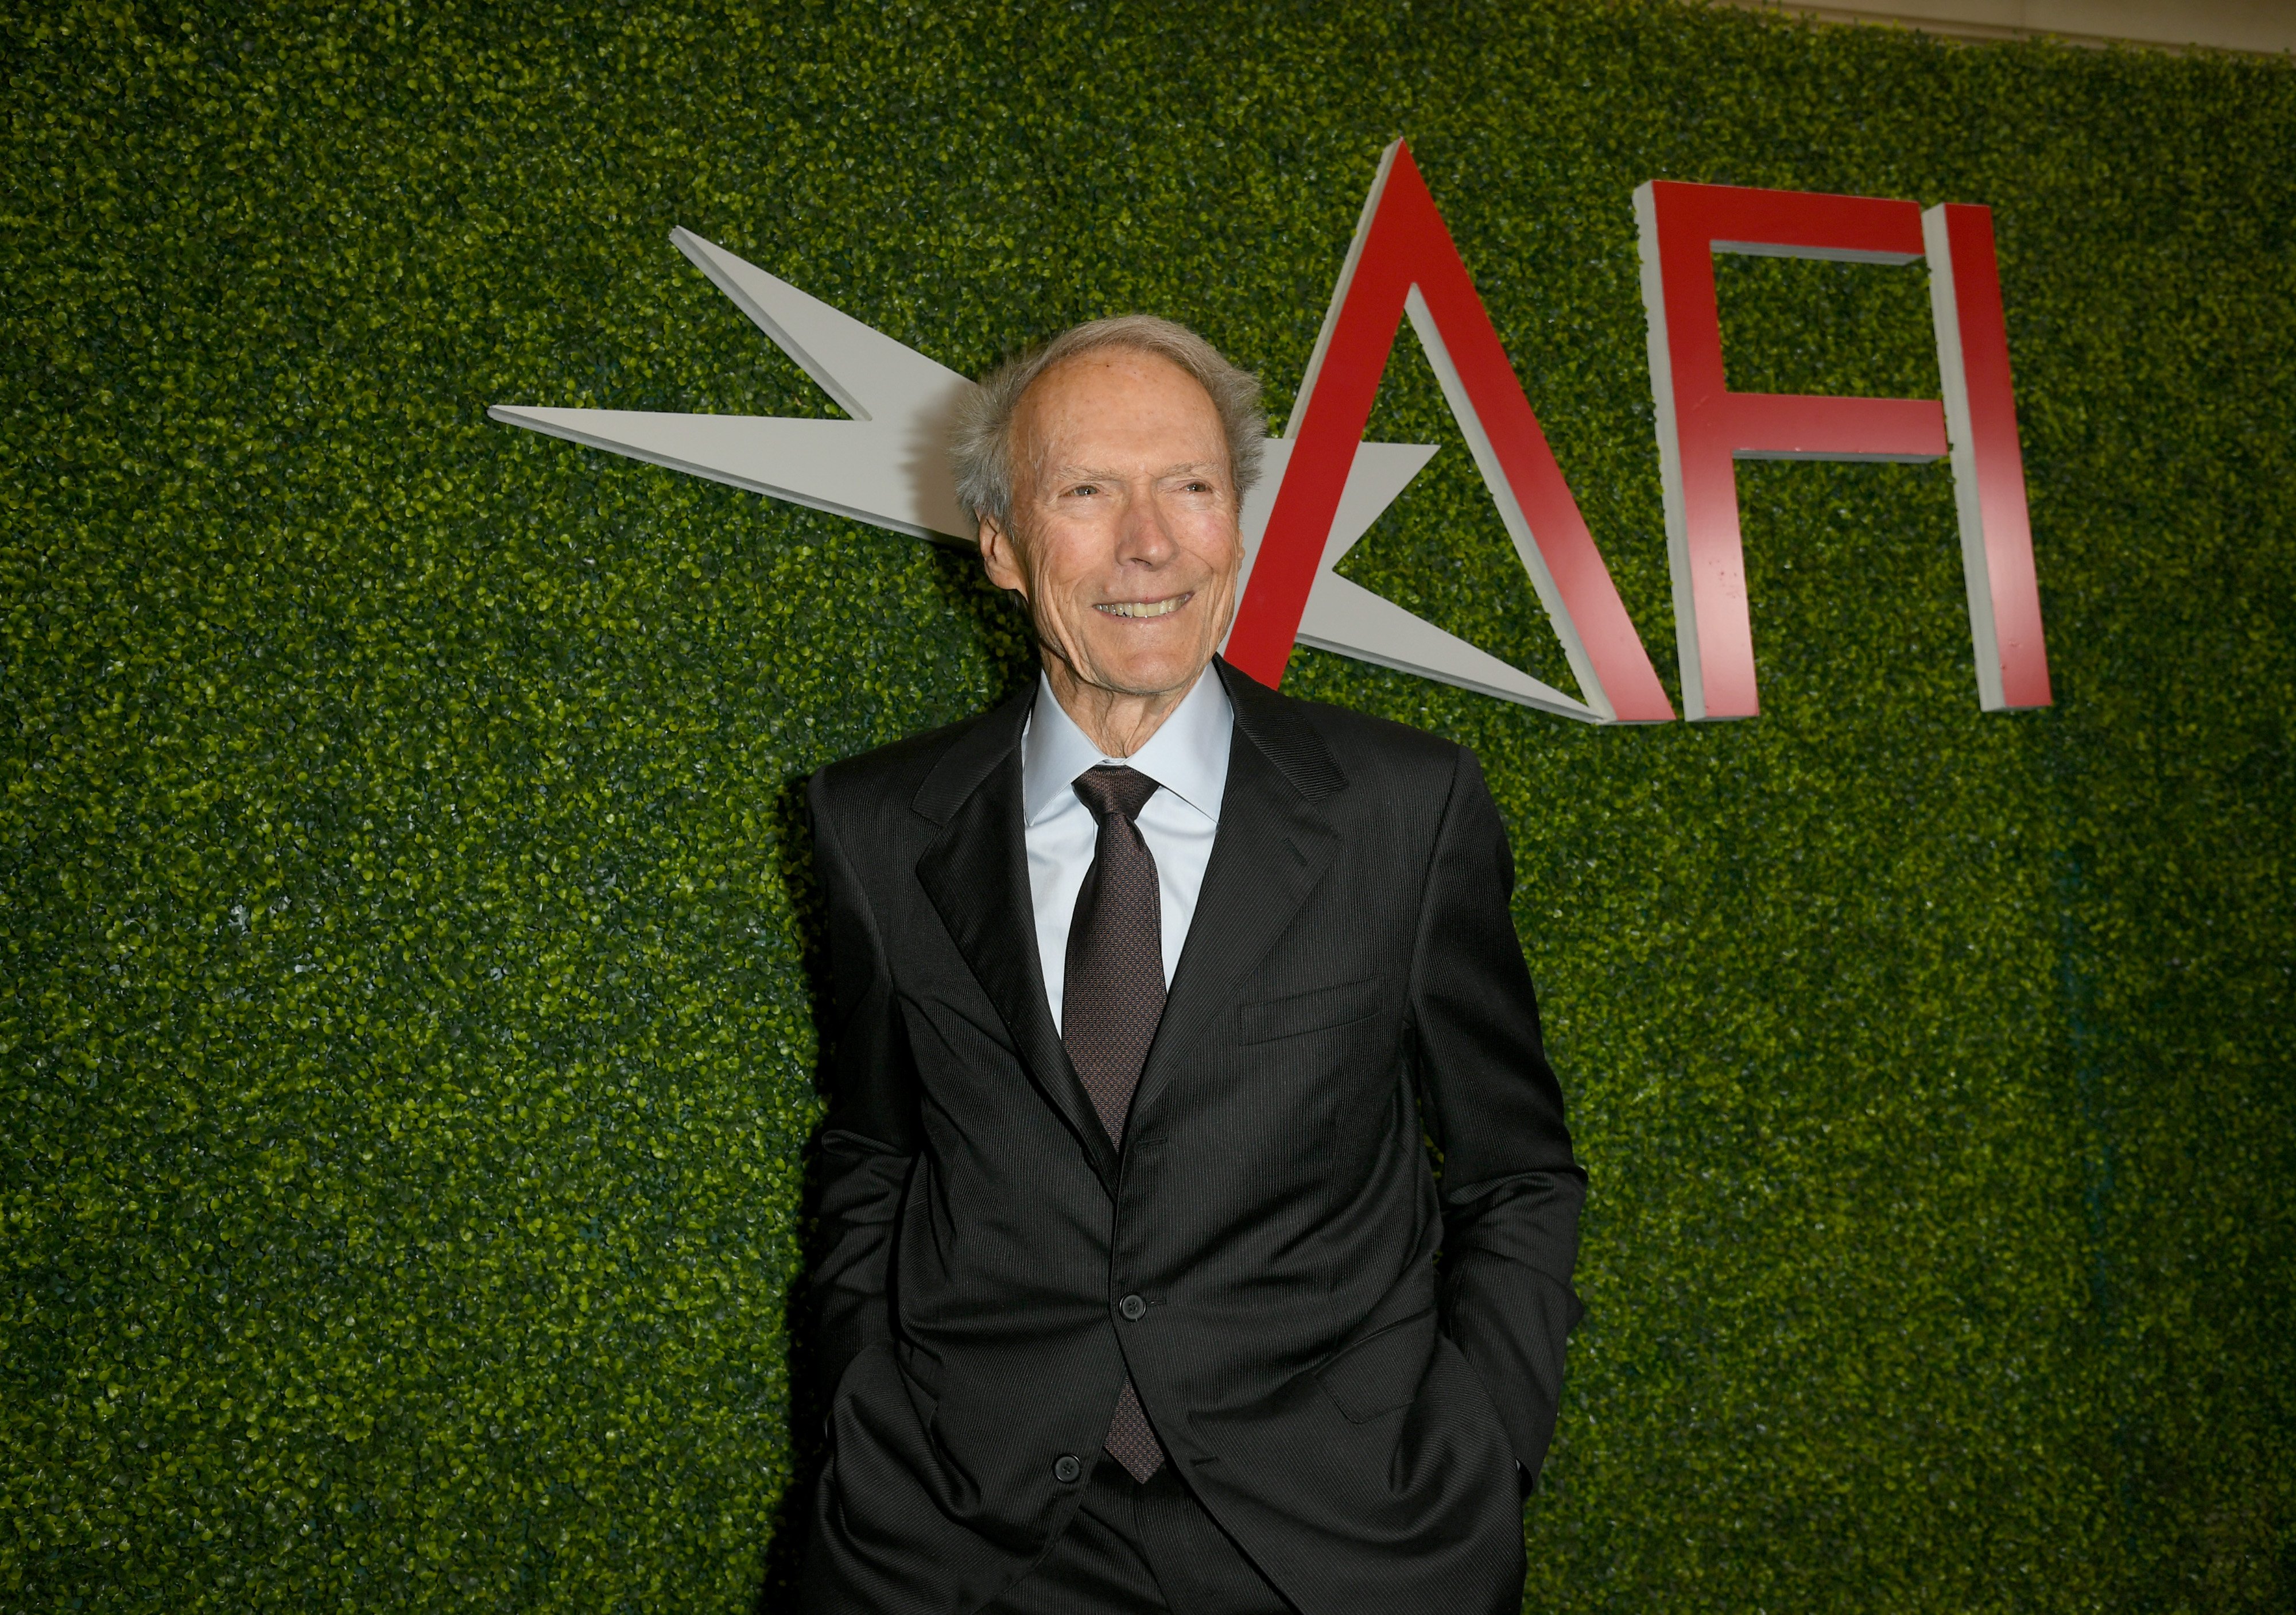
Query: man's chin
1146, 677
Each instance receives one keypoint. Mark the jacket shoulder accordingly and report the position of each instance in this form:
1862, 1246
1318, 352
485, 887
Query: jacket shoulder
1326, 749
890, 776
1367, 741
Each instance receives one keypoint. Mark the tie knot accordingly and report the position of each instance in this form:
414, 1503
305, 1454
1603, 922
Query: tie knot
1112, 787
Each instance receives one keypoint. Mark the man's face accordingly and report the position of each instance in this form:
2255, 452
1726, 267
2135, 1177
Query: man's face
1124, 508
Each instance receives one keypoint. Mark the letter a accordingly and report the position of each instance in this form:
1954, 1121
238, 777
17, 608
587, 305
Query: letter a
1403, 260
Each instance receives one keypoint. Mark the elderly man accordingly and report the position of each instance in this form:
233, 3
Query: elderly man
1138, 1289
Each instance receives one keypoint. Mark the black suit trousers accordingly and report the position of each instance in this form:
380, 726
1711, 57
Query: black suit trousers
1141, 1548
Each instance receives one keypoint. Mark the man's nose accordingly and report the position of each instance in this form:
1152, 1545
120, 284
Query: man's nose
1143, 533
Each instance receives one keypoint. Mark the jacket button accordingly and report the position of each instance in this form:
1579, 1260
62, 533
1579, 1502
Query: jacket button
1133, 1307
1067, 1469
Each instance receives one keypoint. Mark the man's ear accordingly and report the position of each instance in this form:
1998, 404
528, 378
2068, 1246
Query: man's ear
1000, 558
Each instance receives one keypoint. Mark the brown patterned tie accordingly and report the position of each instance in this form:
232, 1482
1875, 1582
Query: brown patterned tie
1111, 997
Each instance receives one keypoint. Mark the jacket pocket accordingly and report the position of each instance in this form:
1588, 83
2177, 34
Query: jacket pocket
1319, 1011
1381, 1371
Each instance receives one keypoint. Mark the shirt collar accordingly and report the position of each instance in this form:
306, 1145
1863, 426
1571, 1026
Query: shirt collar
1187, 754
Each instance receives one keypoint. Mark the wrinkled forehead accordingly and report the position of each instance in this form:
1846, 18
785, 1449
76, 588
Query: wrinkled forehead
1118, 406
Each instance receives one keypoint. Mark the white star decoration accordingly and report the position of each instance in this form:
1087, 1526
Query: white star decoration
888, 466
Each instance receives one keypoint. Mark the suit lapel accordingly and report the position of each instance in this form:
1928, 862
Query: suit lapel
1272, 851
976, 875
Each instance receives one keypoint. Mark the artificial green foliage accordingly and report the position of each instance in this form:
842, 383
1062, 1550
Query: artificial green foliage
407, 1029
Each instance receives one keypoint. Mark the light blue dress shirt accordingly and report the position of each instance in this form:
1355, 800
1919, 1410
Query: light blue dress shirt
1187, 756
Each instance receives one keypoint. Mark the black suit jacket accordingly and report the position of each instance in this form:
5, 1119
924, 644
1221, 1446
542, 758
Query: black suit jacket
1350, 1413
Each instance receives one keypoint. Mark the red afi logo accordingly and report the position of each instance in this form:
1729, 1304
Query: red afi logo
886, 463
1403, 261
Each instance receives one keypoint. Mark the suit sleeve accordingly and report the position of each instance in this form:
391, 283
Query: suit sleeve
869, 1138
1510, 1189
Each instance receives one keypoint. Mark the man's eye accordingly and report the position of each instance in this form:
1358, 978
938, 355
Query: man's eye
1084, 488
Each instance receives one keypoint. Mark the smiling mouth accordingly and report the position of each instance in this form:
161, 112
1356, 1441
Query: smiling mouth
1145, 608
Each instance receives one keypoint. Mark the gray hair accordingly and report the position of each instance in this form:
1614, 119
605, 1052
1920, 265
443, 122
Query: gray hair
982, 450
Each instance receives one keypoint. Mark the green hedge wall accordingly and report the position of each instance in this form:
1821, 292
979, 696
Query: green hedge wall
408, 1002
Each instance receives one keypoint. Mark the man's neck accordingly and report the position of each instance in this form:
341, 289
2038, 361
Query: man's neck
1118, 723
